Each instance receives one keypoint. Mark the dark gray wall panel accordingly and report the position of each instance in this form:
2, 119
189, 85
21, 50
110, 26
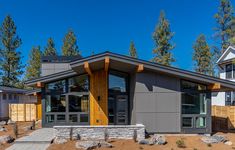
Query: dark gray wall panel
168, 102
160, 122
145, 102
157, 102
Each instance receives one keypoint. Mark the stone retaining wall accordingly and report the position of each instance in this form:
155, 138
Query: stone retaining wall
101, 132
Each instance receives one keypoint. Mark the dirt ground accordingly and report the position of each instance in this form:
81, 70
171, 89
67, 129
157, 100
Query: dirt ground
21, 132
191, 142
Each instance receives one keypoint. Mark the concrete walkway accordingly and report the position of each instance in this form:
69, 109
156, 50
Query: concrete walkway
37, 140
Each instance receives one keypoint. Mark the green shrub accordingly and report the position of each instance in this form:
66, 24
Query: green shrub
180, 143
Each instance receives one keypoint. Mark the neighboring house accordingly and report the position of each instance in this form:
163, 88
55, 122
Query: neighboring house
113, 89
9, 95
226, 65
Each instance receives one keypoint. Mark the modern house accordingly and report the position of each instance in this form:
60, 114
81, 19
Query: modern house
10, 95
226, 65
113, 89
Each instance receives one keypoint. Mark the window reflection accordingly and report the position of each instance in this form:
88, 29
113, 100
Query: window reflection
78, 84
55, 103
56, 87
117, 83
78, 103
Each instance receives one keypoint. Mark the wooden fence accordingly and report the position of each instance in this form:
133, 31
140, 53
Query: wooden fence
223, 118
22, 112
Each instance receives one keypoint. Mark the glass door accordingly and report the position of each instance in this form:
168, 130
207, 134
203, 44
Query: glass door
121, 110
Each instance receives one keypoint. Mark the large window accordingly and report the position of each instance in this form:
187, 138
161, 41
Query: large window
194, 105
117, 83
67, 101
78, 103
55, 103
56, 87
230, 71
79, 84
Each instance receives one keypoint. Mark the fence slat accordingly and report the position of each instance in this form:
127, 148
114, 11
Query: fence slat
22, 112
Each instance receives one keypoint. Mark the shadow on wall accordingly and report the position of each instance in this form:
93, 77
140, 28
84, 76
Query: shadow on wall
159, 81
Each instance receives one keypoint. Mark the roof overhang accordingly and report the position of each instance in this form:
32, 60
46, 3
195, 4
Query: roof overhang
129, 64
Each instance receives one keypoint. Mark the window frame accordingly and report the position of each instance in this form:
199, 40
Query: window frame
231, 71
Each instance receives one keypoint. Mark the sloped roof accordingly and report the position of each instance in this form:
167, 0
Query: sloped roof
126, 60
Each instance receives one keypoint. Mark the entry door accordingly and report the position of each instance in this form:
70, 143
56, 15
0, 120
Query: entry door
121, 110
118, 109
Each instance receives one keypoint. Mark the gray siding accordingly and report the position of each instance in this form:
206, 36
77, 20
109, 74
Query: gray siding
156, 102
51, 68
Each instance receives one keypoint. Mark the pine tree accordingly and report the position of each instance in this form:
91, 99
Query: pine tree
224, 19
70, 47
132, 50
33, 70
162, 37
11, 65
50, 48
202, 56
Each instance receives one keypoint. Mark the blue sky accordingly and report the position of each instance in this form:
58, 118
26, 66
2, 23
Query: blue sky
102, 25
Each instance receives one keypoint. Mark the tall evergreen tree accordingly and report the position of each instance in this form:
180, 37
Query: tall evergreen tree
132, 50
33, 69
11, 65
202, 56
70, 47
50, 48
162, 37
224, 18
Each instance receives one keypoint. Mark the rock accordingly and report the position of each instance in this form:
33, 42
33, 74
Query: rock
2, 129
213, 139
10, 121
157, 139
161, 140
6, 139
60, 140
144, 142
87, 145
228, 143
105, 144
3, 123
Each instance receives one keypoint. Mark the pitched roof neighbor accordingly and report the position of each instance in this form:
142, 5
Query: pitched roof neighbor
11, 89
128, 63
7, 89
225, 54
